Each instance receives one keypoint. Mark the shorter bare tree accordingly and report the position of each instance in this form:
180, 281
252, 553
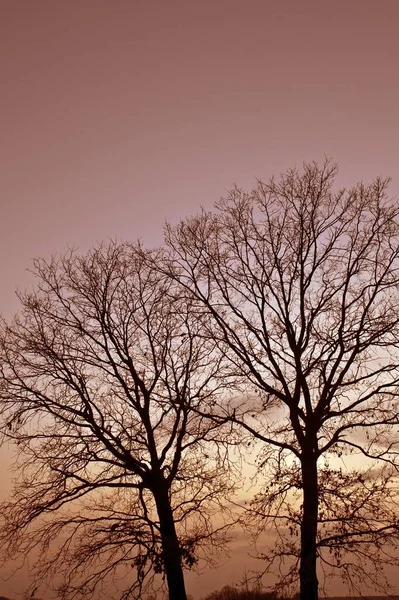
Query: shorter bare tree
118, 475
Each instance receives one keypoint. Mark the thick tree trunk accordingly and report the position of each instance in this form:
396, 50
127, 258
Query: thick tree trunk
170, 545
307, 571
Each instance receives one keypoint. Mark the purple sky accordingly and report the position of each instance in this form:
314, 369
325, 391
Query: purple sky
118, 115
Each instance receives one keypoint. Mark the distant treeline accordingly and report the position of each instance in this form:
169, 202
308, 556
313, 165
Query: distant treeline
229, 592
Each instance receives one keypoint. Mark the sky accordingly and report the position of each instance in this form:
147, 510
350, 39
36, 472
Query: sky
119, 115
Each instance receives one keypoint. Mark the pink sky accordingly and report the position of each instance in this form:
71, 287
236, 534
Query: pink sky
118, 115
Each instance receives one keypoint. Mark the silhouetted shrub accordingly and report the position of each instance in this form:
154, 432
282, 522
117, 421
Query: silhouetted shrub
229, 592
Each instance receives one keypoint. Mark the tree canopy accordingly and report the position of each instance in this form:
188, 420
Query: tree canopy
101, 374
300, 282
271, 324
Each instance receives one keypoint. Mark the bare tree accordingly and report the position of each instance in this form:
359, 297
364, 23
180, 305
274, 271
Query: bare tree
301, 286
101, 376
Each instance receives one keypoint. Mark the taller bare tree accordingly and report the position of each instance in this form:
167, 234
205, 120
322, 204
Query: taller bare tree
100, 378
301, 286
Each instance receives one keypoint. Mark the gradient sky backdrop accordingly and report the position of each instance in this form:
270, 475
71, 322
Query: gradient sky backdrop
118, 115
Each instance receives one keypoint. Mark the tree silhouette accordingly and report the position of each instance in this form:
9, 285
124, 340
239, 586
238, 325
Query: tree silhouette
229, 592
101, 375
300, 283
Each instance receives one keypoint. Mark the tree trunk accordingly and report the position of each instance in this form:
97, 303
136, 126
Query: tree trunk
170, 545
307, 571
